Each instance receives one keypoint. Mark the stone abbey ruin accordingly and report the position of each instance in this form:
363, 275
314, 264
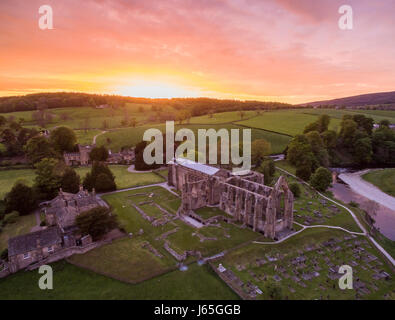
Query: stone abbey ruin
265, 209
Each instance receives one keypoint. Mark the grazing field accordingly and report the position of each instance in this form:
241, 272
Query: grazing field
86, 137
21, 226
71, 282
223, 117
290, 122
129, 137
383, 179
124, 259
9, 177
377, 115
123, 178
86, 117
306, 267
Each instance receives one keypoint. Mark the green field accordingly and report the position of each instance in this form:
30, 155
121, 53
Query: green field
223, 117
85, 137
290, 122
129, 137
383, 179
123, 178
71, 282
126, 259
21, 226
377, 115
85, 117
9, 177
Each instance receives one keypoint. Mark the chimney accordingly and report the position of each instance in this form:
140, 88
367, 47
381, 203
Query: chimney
93, 192
81, 187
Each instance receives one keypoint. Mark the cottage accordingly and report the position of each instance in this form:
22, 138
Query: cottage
33, 247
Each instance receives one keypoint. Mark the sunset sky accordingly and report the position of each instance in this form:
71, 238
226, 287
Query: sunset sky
280, 50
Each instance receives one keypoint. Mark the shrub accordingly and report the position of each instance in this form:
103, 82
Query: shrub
295, 188
353, 204
321, 179
11, 217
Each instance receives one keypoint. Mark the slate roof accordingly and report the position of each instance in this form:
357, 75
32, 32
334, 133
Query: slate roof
197, 166
29, 242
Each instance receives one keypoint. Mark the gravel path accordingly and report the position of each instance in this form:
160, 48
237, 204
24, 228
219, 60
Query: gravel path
366, 189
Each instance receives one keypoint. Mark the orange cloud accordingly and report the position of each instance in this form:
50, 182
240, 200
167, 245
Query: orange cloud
249, 49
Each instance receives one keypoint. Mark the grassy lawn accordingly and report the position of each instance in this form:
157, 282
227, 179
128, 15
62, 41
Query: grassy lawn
9, 177
71, 282
21, 226
208, 212
126, 259
383, 179
284, 164
244, 263
228, 236
124, 178
288, 122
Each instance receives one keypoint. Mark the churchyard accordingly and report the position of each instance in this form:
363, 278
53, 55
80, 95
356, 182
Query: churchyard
306, 267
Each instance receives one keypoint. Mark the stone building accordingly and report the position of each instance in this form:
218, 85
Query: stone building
265, 209
33, 247
122, 157
63, 209
60, 235
80, 158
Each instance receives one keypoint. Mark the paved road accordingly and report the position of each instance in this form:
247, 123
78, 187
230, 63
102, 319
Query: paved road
366, 189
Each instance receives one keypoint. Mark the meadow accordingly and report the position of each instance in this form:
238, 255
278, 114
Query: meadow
129, 137
384, 179
74, 283
85, 117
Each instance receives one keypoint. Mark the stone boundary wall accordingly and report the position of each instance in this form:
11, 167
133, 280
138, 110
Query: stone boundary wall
235, 289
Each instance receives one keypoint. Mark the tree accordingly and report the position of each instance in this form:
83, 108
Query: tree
63, 139
98, 154
295, 189
321, 179
48, 179
96, 222
38, 148
70, 181
259, 149
329, 138
363, 151
104, 183
100, 177
21, 198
